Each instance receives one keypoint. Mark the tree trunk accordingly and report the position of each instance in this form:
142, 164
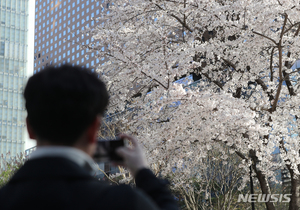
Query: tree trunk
295, 191
264, 185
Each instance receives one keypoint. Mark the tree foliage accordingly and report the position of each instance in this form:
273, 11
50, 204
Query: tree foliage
9, 165
246, 99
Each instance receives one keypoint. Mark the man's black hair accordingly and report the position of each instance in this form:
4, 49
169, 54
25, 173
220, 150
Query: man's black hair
62, 102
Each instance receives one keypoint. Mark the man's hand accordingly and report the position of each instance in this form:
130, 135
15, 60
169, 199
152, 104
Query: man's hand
134, 158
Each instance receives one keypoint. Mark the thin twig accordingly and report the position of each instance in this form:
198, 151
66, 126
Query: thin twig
265, 37
107, 176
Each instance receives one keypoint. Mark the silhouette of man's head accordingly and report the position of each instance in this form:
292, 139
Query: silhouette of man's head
62, 102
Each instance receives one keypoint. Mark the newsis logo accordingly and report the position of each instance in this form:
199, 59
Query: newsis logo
261, 198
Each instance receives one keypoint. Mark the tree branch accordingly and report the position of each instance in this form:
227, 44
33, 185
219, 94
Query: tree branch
177, 18
292, 27
288, 83
271, 64
283, 27
274, 105
155, 80
265, 37
214, 81
229, 63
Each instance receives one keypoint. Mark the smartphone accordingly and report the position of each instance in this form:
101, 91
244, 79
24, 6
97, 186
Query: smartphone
106, 150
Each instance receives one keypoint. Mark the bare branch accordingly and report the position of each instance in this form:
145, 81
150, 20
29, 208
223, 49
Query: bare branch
178, 19
283, 27
271, 64
229, 63
155, 80
265, 37
274, 105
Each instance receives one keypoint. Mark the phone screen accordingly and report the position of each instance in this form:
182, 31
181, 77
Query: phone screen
106, 150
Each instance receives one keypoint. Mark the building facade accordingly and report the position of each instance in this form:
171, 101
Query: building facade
13, 74
58, 32
59, 39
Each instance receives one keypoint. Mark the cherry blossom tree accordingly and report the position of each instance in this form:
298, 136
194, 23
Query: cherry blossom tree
242, 51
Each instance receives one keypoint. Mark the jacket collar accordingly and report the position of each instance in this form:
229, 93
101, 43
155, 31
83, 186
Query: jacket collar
75, 155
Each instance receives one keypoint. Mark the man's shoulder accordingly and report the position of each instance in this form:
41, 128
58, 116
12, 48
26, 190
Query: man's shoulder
53, 173
50, 167
29, 185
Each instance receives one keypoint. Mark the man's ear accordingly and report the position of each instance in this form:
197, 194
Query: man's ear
93, 129
30, 130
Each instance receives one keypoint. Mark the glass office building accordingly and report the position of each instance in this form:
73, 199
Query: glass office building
58, 32
59, 39
13, 74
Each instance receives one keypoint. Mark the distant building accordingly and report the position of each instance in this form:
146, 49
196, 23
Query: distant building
13, 73
29, 151
286, 178
58, 32
59, 40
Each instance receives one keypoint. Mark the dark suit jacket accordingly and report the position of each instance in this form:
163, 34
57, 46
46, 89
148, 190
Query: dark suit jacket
58, 183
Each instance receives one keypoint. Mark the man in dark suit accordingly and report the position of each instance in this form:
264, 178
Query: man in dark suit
65, 106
